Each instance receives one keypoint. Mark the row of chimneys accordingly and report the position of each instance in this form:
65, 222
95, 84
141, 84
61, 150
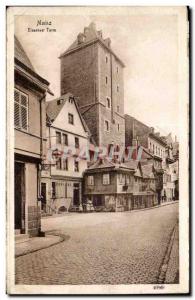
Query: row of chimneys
82, 36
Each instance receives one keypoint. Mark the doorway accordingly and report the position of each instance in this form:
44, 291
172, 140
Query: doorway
76, 194
19, 201
43, 196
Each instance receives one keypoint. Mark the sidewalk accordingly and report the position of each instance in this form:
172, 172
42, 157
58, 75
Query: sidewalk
172, 274
36, 243
169, 272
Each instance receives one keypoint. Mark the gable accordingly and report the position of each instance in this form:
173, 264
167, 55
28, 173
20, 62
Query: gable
62, 119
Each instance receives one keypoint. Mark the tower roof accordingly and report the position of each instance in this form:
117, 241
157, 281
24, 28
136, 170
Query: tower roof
87, 37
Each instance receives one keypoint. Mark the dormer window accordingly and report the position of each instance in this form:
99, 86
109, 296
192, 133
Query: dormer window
59, 101
71, 99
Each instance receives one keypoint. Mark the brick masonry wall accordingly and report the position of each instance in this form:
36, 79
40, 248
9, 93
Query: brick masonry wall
34, 220
78, 74
84, 73
140, 130
118, 137
91, 117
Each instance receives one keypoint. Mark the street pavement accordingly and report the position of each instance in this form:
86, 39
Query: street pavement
104, 248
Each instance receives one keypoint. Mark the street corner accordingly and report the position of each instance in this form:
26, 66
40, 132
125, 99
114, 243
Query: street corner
33, 244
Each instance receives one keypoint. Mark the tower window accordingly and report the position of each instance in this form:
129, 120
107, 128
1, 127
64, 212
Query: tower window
118, 127
106, 59
118, 108
117, 69
108, 104
117, 88
106, 79
107, 127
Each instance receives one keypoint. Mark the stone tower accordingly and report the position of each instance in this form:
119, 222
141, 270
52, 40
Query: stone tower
92, 72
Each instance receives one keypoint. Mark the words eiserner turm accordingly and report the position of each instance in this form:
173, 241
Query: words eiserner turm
41, 29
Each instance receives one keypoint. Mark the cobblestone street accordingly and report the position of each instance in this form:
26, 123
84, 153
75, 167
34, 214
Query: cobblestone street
103, 248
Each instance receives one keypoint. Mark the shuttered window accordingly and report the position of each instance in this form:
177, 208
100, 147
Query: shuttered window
20, 110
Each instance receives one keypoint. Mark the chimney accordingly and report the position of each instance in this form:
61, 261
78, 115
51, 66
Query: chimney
80, 38
99, 33
86, 30
152, 129
107, 42
92, 26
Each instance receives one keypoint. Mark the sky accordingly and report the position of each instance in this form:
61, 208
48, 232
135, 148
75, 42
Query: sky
147, 44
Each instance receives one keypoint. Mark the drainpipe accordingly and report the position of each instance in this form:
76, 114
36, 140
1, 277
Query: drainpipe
111, 93
41, 156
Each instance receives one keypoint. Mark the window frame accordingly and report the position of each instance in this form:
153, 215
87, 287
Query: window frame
77, 144
59, 161
89, 181
108, 100
63, 140
60, 134
65, 163
103, 179
107, 122
20, 105
76, 163
72, 116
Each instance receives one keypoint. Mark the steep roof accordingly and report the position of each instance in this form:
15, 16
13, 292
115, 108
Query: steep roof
89, 35
131, 164
21, 55
148, 170
101, 164
54, 107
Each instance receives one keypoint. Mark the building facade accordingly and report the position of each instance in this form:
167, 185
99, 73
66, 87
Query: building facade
170, 177
119, 187
94, 74
139, 134
29, 149
67, 135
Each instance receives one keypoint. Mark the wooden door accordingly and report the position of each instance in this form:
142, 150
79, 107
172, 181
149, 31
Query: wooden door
19, 187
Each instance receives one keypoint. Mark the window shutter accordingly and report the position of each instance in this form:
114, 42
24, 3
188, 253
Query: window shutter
23, 100
16, 108
16, 114
20, 110
16, 96
24, 117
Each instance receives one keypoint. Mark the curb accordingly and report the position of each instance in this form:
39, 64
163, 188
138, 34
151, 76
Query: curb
164, 266
62, 239
152, 207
